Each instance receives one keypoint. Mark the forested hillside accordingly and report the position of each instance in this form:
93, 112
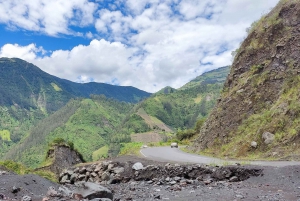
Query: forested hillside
29, 95
181, 108
89, 123
96, 126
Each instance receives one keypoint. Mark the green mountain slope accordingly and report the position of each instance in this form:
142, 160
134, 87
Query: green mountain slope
89, 123
28, 95
181, 108
26, 85
98, 125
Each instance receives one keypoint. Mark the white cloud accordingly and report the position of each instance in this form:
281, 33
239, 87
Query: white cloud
51, 17
156, 43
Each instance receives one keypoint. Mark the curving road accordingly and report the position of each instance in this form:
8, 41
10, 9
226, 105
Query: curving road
168, 154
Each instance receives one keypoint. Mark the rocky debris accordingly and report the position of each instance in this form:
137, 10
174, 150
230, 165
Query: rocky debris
268, 137
109, 172
280, 184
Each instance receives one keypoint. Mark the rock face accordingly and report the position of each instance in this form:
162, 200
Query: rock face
62, 157
261, 93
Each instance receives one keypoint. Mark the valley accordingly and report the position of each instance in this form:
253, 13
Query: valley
237, 128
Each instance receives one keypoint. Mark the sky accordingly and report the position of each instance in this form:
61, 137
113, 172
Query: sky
148, 44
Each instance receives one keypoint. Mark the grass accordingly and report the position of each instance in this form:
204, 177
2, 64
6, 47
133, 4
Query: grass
100, 153
131, 148
21, 170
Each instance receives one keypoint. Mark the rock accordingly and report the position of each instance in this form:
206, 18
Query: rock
234, 179
239, 196
101, 199
93, 174
26, 198
105, 176
81, 177
176, 178
118, 170
221, 173
110, 166
70, 172
64, 179
76, 170
268, 137
65, 191
73, 177
82, 171
105, 165
138, 166
173, 182
253, 144
15, 189
52, 192
91, 191
97, 169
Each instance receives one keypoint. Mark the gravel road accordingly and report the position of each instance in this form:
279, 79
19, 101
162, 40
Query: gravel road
176, 155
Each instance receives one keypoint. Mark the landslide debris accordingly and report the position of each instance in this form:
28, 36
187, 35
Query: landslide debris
259, 104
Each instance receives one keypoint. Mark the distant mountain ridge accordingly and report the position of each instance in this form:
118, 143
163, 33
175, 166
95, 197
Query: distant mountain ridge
24, 84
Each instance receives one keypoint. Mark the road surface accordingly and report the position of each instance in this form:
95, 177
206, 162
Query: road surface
168, 154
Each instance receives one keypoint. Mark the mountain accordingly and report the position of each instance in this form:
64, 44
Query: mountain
90, 124
24, 84
28, 95
258, 113
96, 126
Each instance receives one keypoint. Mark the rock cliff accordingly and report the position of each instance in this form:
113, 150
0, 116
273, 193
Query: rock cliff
261, 94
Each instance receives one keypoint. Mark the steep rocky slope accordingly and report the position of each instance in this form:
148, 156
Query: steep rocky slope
260, 100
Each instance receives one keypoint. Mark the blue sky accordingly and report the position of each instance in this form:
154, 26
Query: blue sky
148, 44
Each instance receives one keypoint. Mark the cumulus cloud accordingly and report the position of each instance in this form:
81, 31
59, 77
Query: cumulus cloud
148, 44
50, 17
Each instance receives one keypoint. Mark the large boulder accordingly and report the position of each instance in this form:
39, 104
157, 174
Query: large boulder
90, 190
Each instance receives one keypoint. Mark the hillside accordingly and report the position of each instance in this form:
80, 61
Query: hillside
28, 86
98, 125
181, 108
29, 95
90, 124
258, 113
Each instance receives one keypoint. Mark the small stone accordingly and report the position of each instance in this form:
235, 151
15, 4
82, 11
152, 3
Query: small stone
234, 179
173, 182
15, 189
253, 144
138, 166
26, 198
239, 196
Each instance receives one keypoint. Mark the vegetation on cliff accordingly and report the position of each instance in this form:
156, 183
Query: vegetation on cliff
261, 93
